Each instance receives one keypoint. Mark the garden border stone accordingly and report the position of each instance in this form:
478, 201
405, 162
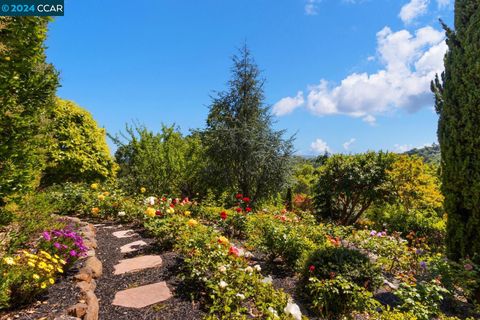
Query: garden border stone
87, 308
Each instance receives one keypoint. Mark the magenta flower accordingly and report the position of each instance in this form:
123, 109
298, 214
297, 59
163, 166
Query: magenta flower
46, 235
57, 245
73, 253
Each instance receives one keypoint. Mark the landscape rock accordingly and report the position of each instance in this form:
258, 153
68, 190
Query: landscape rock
78, 310
142, 296
96, 265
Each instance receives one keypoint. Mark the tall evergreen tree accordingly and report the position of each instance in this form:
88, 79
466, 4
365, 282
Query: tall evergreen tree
244, 153
457, 95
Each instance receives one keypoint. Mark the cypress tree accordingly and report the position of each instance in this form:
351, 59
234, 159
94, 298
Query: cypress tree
457, 101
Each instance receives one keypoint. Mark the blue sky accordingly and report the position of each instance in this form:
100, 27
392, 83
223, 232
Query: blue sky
344, 75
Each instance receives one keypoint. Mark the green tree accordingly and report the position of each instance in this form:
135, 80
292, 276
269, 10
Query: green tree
349, 184
80, 151
27, 93
244, 153
163, 163
457, 101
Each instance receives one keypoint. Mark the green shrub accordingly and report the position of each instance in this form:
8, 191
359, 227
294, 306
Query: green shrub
422, 299
352, 265
338, 297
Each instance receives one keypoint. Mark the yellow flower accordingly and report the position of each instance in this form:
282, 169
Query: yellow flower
106, 193
51, 280
43, 285
42, 265
101, 197
150, 212
31, 263
170, 210
36, 276
187, 213
54, 260
63, 261
9, 261
95, 211
94, 186
7, 58
223, 240
192, 223
143, 189
46, 254
60, 270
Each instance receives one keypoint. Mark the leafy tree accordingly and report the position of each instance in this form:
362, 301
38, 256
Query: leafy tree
415, 184
27, 92
430, 154
349, 184
304, 177
457, 101
244, 153
163, 163
80, 151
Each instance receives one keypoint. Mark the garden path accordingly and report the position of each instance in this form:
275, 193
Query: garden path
138, 281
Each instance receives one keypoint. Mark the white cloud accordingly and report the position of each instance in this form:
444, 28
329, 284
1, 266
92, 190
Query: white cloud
311, 7
401, 148
288, 104
443, 3
319, 146
347, 144
414, 9
409, 62
371, 120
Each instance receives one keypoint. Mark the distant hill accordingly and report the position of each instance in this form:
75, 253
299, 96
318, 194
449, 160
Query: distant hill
431, 154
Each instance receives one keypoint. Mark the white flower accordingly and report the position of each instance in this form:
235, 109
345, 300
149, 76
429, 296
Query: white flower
294, 310
223, 284
273, 311
150, 201
248, 254
249, 269
222, 269
268, 279
257, 267
241, 252
121, 213
241, 296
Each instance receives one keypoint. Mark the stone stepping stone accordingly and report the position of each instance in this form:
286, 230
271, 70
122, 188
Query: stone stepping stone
137, 264
133, 246
124, 234
142, 296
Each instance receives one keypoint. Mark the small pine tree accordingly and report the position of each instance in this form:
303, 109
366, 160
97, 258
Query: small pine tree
457, 97
244, 153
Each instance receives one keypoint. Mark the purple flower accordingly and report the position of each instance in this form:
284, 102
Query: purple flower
57, 245
73, 253
46, 235
423, 265
373, 233
419, 251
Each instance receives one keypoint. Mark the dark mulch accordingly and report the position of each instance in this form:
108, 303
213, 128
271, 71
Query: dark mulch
178, 307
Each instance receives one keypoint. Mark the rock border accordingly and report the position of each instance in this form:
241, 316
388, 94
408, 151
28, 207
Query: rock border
87, 308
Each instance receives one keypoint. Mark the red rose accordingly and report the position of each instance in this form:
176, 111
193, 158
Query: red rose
246, 199
248, 209
239, 196
234, 251
239, 209
223, 215
311, 268
172, 205
158, 213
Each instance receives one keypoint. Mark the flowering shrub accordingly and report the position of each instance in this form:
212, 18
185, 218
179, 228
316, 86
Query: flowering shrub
213, 265
390, 252
65, 243
282, 238
26, 274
